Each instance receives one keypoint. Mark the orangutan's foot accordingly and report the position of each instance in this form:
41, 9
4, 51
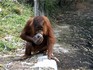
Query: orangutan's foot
25, 57
55, 58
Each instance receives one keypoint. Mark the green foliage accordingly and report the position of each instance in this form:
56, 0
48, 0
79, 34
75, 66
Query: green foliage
17, 11
7, 46
12, 20
22, 1
53, 6
1, 46
50, 6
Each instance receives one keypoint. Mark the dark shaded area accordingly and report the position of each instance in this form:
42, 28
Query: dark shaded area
30, 2
81, 38
79, 60
67, 4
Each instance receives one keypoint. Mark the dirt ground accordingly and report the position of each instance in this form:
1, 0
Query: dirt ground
75, 34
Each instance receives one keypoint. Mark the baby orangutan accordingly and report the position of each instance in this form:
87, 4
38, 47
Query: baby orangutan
39, 36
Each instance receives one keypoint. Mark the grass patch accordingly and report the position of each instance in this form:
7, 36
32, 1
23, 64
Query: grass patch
13, 17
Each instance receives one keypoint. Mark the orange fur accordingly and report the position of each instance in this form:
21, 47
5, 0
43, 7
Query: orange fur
49, 38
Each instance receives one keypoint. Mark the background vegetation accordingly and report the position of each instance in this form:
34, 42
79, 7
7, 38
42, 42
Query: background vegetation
13, 17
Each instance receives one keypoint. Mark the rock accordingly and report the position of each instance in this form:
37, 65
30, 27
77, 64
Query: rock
37, 62
45, 64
